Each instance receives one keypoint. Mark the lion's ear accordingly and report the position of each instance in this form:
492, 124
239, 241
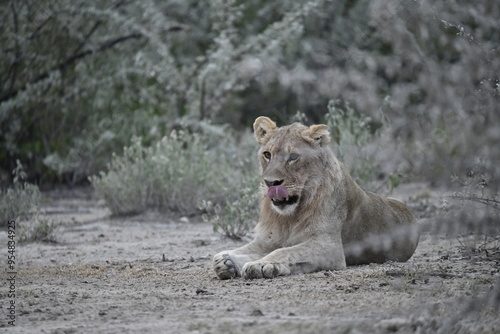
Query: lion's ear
317, 134
263, 127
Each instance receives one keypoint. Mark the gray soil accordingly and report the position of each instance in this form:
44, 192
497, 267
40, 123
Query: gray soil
152, 274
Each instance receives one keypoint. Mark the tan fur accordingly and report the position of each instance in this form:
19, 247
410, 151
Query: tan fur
329, 221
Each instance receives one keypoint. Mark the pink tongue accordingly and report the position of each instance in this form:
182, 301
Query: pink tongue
277, 192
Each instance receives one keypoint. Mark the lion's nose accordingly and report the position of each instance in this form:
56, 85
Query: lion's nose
273, 182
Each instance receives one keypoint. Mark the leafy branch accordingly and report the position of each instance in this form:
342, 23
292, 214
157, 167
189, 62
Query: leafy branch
62, 66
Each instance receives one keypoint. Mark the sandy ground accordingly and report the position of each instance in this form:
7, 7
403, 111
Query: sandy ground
152, 274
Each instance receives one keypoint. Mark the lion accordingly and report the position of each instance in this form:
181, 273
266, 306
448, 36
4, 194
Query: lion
313, 215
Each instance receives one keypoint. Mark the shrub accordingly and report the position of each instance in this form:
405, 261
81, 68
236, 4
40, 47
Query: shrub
477, 205
38, 228
237, 214
176, 173
21, 200
21, 203
188, 173
363, 145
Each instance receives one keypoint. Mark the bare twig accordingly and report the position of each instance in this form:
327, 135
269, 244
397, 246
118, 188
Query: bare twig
492, 202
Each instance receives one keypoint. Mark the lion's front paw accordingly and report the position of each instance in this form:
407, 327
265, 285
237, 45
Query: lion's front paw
264, 270
225, 267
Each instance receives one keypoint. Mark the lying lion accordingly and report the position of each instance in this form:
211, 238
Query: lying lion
313, 215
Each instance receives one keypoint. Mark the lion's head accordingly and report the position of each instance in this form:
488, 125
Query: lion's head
294, 164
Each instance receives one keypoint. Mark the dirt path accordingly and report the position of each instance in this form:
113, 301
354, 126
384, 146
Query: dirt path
152, 274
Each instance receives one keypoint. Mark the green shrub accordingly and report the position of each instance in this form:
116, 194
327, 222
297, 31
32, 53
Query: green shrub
21, 203
188, 173
38, 228
237, 214
478, 203
364, 146
346, 125
21, 200
176, 173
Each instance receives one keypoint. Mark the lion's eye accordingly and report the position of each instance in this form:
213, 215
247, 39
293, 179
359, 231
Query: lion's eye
267, 155
293, 156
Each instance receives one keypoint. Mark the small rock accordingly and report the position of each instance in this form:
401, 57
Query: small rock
257, 313
393, 325
165, 259
199, 243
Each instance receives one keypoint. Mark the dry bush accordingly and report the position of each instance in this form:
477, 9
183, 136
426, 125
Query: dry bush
21, 203
176, 173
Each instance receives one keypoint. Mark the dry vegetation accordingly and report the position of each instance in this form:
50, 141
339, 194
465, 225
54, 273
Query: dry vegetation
149, 103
